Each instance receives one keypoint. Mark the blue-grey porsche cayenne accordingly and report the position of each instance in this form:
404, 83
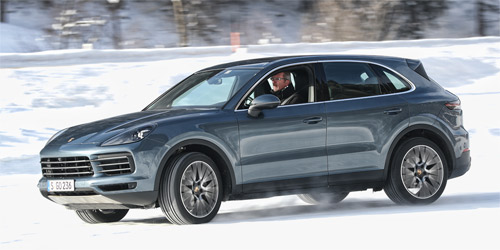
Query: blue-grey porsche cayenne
316, 126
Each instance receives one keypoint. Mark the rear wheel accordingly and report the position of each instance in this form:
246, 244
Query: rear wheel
323, 198
191, 189
94, 216
418, 173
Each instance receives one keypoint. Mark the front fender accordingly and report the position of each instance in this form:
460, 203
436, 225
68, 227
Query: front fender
226, 152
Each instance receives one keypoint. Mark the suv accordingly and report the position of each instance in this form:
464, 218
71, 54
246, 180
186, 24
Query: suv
363, 122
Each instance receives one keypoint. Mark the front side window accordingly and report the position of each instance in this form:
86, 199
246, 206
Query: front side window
292, 85
204, 89
350, 80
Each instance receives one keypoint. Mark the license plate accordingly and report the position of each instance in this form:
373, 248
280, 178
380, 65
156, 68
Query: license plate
61, 185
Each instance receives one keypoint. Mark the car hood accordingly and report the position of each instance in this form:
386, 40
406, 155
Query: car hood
99, 131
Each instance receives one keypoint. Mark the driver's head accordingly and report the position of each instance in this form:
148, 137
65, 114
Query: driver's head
280, 80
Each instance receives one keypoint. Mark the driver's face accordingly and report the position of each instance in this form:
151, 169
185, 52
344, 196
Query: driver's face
281, 83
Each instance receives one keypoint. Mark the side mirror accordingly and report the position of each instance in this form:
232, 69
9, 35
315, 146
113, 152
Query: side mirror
263, 102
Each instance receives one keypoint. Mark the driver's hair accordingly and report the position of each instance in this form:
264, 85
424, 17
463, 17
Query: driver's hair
287, 75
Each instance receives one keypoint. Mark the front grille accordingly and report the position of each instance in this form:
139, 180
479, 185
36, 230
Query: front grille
114, 164
64, 167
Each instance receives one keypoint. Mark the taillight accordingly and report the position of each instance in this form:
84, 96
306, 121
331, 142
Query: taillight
453, 105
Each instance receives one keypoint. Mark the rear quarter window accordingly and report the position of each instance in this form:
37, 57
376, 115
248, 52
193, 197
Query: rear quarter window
394, 82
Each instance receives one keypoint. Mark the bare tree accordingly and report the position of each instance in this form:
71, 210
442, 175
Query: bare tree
114, 7
414, 16
3, 5
180, 22
348, 20
366, 20
485, 10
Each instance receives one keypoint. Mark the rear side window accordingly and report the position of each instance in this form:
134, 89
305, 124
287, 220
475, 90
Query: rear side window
394, 82
351, 80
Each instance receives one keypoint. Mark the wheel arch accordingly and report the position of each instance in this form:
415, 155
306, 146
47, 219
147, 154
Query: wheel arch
425, 131
208, 148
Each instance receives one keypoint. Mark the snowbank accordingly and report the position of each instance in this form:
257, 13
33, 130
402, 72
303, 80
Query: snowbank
21, 40
72, 57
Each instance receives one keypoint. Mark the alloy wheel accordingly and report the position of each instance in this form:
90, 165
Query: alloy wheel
422, 171
199, 189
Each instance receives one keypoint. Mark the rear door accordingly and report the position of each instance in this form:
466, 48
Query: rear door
362, 117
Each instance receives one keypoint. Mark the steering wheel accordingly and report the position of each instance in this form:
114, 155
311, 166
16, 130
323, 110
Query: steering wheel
248, 101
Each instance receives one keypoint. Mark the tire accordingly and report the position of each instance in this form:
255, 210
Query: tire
101, 215
323, 198
191, 189
418, 173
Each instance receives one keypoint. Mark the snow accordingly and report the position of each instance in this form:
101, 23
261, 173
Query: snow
51, 90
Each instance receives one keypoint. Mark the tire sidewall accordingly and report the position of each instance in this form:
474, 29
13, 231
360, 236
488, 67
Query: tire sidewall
174, 183
111, 215
98, 216
395, 173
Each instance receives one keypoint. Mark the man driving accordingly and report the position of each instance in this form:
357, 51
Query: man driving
283, 88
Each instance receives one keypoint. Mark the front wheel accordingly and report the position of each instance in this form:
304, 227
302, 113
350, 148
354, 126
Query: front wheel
191, 189
418, 173
94, 216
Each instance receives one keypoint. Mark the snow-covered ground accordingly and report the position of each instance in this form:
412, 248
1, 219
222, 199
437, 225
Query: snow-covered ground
47, 91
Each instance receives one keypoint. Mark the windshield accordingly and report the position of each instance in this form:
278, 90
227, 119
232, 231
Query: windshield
204, 89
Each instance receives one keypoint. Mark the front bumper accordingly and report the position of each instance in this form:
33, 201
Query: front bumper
117, 192
104, 184
108, 201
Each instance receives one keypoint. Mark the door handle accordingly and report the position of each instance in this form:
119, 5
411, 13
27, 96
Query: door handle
313, 120
393, 111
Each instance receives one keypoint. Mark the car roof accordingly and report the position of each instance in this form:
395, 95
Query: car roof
249, 63
260, 63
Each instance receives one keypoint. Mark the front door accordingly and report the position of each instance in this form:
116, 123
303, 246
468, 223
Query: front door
284, 148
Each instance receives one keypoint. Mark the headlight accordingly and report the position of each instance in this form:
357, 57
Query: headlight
130, 136
56, 135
